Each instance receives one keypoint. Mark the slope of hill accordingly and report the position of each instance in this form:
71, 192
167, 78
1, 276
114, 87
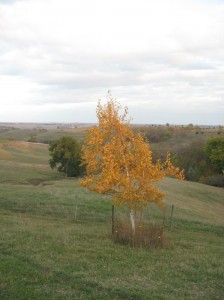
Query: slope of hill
40, 135
55, 238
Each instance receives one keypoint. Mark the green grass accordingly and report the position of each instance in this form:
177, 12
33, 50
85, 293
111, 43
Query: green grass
54, 238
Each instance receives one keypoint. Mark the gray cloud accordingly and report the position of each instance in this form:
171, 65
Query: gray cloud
152, 63
7, 1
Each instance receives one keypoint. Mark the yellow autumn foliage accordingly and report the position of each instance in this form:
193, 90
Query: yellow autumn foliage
119, 162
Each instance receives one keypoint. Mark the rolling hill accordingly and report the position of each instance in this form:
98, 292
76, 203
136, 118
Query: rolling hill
55, 238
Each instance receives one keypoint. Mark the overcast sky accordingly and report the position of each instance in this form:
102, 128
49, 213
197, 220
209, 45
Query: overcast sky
163, 59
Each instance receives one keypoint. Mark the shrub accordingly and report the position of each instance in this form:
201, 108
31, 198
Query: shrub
193, 160
215, 180
65, 155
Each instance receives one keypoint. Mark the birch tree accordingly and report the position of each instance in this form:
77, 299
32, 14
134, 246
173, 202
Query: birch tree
119, 162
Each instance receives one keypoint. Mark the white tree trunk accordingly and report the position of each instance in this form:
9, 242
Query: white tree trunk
132, 218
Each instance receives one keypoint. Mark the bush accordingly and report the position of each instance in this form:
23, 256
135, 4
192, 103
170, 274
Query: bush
65, 155
193, 160
215, 152
215, 180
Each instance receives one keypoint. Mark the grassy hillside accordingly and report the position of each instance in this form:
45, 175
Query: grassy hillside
55, 238
24, 162
40, 135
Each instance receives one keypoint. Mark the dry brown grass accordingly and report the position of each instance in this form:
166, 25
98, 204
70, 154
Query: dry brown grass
4, 154
146, 235
20, 145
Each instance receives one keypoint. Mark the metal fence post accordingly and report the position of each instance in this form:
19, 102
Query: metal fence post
112, 219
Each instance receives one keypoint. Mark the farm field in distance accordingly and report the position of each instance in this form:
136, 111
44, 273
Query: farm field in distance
55, 240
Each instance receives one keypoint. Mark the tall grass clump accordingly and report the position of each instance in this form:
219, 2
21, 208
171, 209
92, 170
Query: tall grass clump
146, 235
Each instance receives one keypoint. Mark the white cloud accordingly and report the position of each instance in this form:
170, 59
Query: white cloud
163, 57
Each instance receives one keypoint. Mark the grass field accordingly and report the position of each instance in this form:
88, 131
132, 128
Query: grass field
40, 135
54, 238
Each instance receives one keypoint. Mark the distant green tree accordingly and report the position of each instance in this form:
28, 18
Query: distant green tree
215, 152
66, 156
193, 160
